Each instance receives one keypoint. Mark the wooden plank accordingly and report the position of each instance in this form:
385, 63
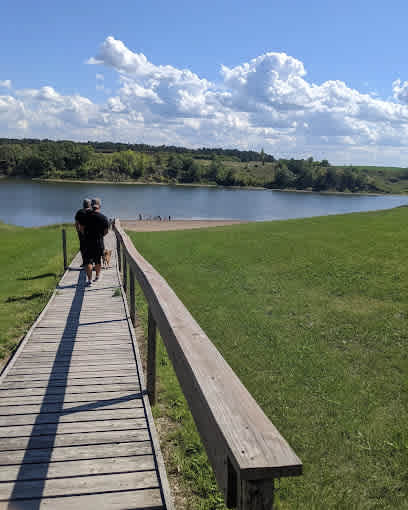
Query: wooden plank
51, 390
39, 372
76, 439
136, 499
75, 349
90, 378
97, 342
65, 453
93, 416
127, 402
78, 468
77, 397
66, 358
64, 364
77, 427
79, 485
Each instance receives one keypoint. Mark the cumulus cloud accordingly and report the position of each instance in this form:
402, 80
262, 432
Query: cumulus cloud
400, 91
5, 84
266, 102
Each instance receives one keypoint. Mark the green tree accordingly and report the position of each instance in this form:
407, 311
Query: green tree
174, 166
216, 166
226, 177
125, 162
284, 178
263, 156
140, 166
191, 171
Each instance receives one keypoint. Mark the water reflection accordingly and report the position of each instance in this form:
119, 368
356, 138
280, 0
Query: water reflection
28, 203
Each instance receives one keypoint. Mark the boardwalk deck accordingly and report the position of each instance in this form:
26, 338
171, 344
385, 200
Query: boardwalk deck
76, 430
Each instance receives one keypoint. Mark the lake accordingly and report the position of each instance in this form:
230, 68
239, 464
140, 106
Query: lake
29, 203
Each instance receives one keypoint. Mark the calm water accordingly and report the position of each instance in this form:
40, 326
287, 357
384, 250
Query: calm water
30, 203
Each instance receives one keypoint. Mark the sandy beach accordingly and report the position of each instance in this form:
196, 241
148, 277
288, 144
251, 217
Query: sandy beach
159, 226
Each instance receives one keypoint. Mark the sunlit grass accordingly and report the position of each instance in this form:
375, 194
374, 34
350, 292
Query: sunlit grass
312, 315
31, 264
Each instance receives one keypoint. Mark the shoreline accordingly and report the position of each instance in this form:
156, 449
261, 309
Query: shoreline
209, 185
168, 225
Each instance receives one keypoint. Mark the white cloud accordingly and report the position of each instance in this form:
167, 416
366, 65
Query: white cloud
400, 91
266, 102
5, 84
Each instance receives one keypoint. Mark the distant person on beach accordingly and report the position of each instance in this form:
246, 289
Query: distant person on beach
96, 226
80, 220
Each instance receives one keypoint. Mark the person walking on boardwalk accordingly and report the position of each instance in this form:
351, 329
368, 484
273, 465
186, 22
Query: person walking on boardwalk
80, 220
96, 226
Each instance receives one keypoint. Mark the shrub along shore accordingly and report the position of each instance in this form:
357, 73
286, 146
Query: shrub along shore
312, 316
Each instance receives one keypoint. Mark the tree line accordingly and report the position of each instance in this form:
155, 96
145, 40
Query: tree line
225, 167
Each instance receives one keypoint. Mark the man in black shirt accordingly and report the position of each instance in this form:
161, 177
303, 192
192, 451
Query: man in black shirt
80, 220
96, 226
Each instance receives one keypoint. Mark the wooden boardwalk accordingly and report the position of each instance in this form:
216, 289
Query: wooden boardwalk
76, 430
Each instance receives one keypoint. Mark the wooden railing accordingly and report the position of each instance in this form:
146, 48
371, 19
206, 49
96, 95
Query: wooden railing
245, 449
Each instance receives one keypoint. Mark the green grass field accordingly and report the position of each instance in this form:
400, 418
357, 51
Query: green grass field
31, 264
312, 315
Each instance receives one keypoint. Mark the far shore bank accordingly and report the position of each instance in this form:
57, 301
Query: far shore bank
209, 185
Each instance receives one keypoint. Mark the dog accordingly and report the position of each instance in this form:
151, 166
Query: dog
106, 258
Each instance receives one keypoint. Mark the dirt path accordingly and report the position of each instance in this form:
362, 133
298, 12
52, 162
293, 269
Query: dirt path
158, 226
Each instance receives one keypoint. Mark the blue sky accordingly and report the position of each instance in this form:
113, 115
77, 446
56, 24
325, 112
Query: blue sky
301, 78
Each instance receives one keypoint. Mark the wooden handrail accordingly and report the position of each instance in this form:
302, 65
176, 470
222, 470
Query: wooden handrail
245, 449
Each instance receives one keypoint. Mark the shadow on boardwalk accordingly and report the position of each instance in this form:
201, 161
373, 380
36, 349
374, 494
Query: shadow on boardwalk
60, 370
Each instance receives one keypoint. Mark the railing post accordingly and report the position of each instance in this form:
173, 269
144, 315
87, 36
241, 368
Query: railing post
64, 247
132, 296
256, 495
151, 358
124, 272
118, 254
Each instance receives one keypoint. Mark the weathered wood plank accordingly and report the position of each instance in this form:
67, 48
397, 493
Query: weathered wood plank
61, 390
123, 402
31, 382
80, 361
80, 485
78, 468
64, 453
94, 371
70, 428
76, 397
136, 499
92, 416
76, 439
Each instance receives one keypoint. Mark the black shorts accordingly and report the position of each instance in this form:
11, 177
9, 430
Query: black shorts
93, 254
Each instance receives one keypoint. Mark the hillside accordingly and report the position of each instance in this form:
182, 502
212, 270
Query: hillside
108, 161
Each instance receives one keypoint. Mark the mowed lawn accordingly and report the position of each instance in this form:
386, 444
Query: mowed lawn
31, 264
313, 317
